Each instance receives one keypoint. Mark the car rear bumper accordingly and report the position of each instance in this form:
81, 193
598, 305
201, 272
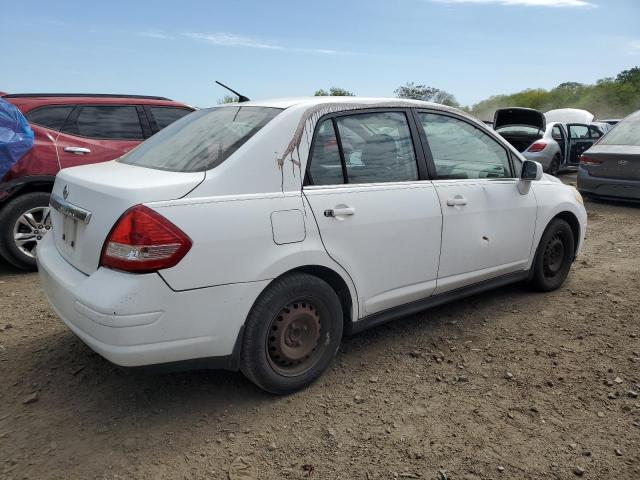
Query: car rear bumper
608, 187
137, 320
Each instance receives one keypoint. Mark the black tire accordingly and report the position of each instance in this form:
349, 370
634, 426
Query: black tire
280, 360
554, 256
9, 215
554, 166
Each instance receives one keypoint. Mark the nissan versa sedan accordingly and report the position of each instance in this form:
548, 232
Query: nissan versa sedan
611, 168
253, 236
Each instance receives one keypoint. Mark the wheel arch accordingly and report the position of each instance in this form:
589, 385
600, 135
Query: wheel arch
573, 222
15, 188
345, 293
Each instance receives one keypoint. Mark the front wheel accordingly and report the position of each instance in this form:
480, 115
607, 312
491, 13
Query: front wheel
24, 223
291, 334
554, 256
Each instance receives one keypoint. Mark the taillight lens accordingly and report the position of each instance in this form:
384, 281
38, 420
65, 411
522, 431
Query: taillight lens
584, 160
144, 241
537, 147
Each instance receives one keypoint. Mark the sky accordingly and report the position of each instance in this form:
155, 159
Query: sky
271, 48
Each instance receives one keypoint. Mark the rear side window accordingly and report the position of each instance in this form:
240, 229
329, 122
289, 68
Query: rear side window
165, 116
51, 117
376, 147
326, 167
461, 151
107, 122
202, 140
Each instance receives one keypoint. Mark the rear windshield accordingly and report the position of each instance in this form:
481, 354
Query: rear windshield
627, 132
202, 140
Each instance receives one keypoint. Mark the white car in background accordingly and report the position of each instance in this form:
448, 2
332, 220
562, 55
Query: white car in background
253, 236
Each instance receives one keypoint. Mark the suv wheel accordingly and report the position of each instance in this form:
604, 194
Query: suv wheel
291, 334
25, 221
554, 256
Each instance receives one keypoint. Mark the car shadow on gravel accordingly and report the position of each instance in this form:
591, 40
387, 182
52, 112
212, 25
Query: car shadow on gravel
67, 372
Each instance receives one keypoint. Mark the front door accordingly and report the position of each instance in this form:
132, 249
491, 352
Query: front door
98, 133
488, 225
376, 217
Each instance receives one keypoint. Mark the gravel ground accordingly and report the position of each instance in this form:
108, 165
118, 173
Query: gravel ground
505, 385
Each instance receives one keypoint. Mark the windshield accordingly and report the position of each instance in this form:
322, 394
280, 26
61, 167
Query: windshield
201, 140
627, 132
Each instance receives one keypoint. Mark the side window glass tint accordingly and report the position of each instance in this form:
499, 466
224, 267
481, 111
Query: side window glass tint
167, 115
326, 167
377, 147
556, 133
461, 151
50, 117
578, 131
108, 122
594, 132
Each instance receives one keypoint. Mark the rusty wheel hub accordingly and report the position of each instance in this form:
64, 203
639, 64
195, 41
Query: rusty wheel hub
294, 336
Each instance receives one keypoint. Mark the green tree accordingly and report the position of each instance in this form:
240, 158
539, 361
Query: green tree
227, 99
415, 92
333, 92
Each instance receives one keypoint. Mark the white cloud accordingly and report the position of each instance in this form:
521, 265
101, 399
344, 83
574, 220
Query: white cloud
527, 3
233, 40
634, 47
158, 35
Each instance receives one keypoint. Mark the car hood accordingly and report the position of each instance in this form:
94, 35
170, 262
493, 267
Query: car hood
519, 116
569, 115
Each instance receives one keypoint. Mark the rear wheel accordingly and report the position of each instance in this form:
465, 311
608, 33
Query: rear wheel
554, 256
554, 166
291, 334
25, 221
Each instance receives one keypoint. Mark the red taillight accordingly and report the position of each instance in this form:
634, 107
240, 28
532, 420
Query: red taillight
537, 147
584, 160
144, 241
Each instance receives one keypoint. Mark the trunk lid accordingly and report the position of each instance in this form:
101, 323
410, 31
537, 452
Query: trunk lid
621, 162
519, 116
103, 192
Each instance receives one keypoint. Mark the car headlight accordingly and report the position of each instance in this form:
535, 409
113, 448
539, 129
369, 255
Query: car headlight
578, 196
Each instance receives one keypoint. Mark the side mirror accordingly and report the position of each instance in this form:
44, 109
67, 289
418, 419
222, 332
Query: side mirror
531, 171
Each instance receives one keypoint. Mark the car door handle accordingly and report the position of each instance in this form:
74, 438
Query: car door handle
457, 200
77, 150
339, 211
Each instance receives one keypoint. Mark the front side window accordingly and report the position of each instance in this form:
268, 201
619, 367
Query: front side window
107, 122
165, 116
595, 133
50, 117
201, 141
462, 151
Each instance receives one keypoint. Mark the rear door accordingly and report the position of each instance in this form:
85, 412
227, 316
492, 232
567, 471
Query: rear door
488, 225
98, 133
581, 137
378, 216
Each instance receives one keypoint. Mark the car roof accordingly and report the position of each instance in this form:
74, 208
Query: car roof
312, 101
29, 101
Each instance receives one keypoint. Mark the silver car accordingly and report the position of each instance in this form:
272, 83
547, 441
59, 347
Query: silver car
611, 168
556, 145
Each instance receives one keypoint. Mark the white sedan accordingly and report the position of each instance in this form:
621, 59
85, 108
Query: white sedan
253, 236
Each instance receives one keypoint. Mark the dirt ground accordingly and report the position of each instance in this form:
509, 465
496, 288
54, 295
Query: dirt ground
505, 385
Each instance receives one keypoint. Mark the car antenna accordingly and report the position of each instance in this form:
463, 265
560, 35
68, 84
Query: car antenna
241, 98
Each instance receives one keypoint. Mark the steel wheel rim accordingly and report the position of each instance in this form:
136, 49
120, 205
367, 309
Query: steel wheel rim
553, 258
30, 229
294, 338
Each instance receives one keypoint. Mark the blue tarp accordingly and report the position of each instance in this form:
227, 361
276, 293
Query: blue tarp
16, 136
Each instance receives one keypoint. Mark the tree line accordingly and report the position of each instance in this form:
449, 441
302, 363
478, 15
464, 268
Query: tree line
611, 97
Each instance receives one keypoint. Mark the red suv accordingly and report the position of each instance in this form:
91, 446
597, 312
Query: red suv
70, 130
